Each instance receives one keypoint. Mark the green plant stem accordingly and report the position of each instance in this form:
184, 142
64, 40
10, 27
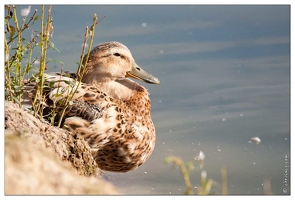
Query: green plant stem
19, 54
7, 71
224, 181
81, 64
185, 174
24, 27
92, 33
45, 32
186, 178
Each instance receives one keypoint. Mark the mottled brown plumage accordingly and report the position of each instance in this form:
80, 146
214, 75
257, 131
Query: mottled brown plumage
109, 110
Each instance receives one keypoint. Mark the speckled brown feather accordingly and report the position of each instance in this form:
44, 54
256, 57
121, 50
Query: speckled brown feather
121, 134
111, 112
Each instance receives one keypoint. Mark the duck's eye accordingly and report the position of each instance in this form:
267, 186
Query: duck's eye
117, 54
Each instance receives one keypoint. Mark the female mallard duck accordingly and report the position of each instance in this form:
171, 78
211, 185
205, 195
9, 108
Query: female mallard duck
108, 109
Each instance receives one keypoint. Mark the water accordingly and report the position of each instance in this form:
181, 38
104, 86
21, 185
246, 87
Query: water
225, 78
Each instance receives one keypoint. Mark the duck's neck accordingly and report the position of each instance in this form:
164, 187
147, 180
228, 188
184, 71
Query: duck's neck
125, 90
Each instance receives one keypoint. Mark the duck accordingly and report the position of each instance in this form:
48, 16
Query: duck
108, 109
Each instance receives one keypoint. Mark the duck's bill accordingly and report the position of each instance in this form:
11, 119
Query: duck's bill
138, 73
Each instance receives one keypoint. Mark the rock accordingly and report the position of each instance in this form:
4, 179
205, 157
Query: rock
42, 159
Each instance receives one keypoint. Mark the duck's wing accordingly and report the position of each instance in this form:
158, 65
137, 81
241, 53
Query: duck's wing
62, 92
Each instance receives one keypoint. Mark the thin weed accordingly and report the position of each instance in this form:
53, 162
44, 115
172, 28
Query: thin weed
19, 60
205, 186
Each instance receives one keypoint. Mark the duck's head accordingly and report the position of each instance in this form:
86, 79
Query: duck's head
112, 61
